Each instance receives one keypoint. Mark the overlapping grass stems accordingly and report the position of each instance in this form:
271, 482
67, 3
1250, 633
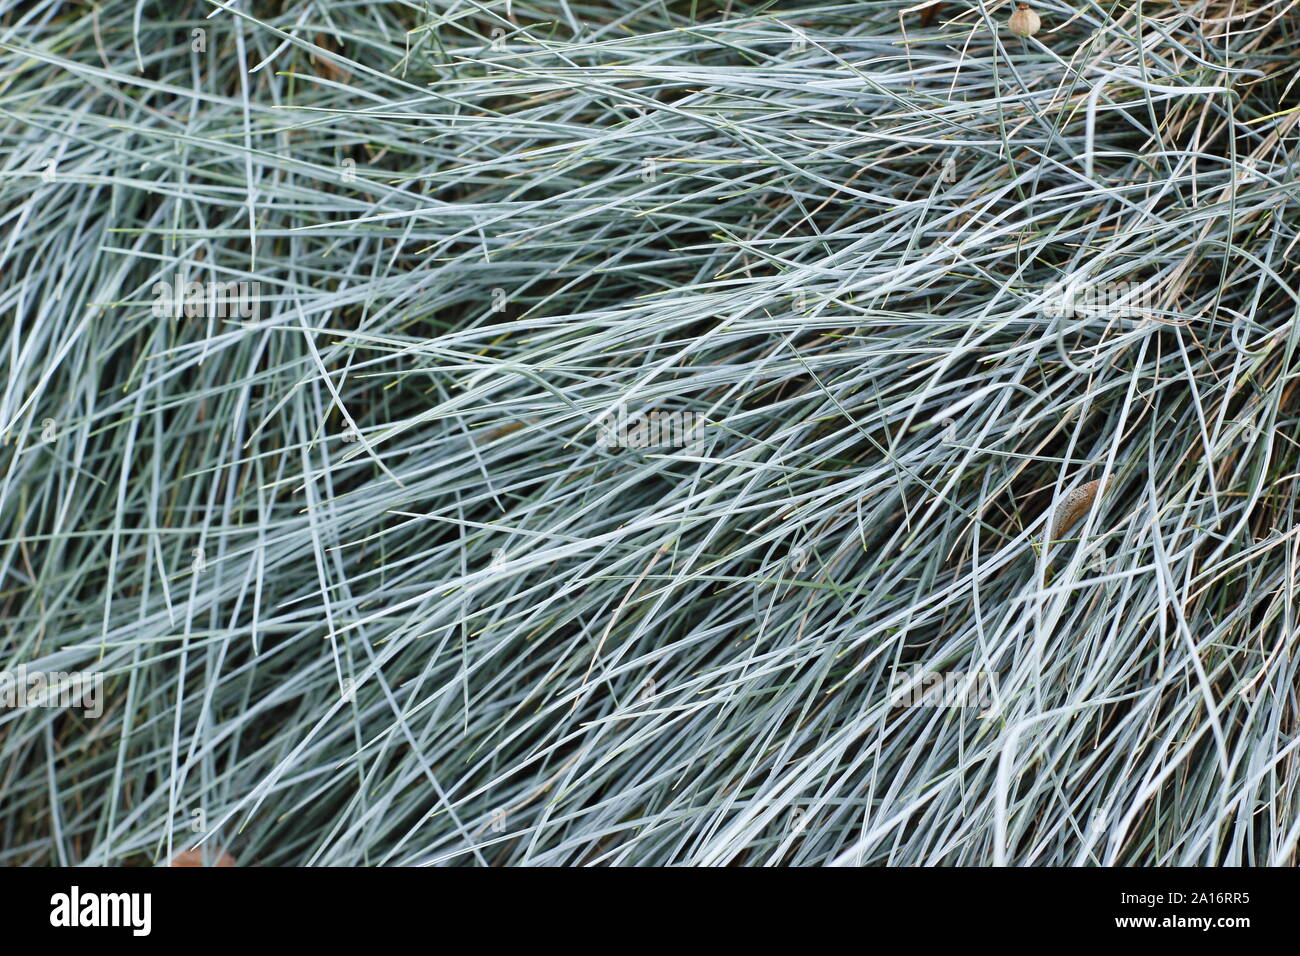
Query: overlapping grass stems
473, 635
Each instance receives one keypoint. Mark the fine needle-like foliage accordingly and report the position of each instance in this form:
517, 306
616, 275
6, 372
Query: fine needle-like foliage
384, 565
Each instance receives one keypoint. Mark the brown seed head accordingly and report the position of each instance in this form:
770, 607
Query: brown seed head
1024, 22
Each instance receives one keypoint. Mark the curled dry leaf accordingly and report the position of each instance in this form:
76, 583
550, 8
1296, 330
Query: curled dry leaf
1073, 507
196, 858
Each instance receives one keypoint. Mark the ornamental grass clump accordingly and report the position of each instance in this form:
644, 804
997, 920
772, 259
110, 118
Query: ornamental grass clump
363, 583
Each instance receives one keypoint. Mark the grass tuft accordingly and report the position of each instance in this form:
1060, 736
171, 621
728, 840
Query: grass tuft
379, 570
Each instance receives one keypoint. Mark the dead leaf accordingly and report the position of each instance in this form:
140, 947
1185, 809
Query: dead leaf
196, 858
1073, 507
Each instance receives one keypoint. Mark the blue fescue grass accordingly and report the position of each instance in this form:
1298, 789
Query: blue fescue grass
367, 587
